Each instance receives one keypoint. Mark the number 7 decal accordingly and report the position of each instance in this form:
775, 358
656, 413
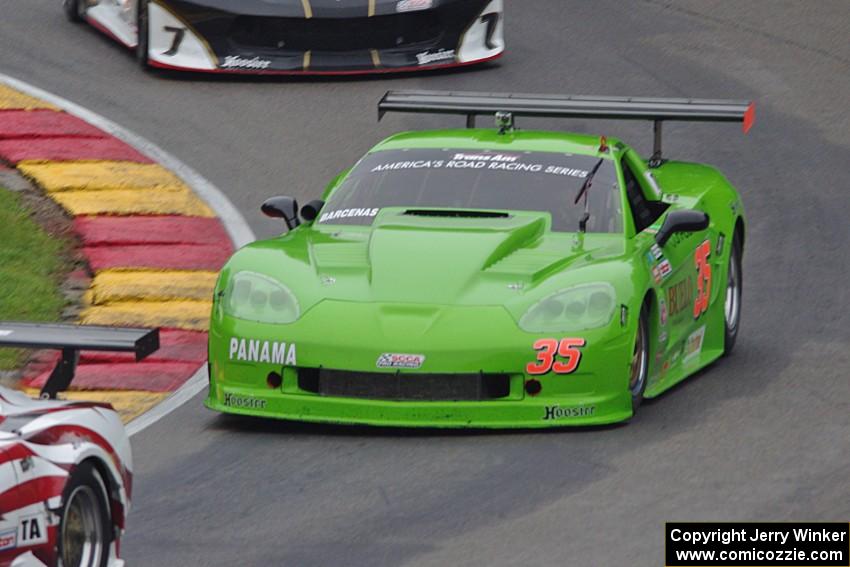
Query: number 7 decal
567, 349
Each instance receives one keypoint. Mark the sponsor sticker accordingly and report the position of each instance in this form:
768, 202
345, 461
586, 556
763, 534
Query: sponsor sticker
32, 531
427, 57
656, 252
273, 352
490, 161
400, 360
348, 213
675, 356
413, 5
246, 402
665, 268
8, 539
693, 345
680, 296
236, 62
557, 412
662, 311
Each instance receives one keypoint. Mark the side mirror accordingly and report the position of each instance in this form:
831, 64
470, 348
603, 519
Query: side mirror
311, 210
285, 208
687, 220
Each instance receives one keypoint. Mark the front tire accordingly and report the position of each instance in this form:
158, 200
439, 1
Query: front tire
732, 304
143, 32
75, 10
85, 528
639, 368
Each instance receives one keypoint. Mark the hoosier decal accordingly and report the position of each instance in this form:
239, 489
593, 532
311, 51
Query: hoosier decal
413, 5
427, 57
250, 350
236, 62
247, 402
557, 412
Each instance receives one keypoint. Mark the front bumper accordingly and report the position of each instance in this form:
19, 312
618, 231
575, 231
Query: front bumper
187, 36
460, 341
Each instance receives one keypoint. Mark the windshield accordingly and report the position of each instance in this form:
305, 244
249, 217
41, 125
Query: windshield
474, 179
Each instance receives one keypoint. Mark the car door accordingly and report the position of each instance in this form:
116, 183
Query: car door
680, 271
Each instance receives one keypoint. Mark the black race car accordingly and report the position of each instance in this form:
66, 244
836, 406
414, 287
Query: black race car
300, 36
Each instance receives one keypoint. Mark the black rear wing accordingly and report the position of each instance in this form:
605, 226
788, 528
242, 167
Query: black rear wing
71, 339
506, 106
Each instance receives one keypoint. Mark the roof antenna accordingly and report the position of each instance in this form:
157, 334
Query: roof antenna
505, 122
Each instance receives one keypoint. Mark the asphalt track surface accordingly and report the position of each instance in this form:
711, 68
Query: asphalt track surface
762, 435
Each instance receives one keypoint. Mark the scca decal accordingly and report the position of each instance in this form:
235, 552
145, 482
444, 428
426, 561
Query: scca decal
546, 349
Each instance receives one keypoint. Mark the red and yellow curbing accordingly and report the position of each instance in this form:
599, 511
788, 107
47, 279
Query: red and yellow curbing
153, 248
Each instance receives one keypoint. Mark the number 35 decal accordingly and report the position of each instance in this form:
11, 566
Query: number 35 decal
547, 349
701, 255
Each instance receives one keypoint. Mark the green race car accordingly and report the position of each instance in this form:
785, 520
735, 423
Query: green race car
487, 277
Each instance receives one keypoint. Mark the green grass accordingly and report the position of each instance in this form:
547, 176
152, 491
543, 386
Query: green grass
32, 264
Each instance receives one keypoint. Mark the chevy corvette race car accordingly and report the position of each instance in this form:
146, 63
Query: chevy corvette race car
65, 482
487, 277
299, 36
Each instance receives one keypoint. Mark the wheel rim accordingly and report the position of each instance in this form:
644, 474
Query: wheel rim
637, 374
732, 305
82, 529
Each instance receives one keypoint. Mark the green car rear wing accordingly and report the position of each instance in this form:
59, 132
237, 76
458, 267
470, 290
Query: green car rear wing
506, 106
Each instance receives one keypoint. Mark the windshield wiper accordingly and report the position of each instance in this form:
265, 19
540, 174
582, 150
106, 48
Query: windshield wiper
585, 187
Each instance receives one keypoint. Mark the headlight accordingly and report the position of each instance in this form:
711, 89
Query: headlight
585, 306
255, 297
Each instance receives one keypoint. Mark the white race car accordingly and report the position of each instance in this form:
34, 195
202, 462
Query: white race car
300, 36
65, 482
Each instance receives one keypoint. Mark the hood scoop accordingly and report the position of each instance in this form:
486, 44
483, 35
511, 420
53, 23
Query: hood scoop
456, 213
534, 262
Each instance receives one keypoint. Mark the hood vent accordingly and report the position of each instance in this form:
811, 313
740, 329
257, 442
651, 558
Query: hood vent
456, 213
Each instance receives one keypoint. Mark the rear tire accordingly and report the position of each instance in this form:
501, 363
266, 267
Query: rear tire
85, 528
75, 10
639, 368
732, 305
143, 31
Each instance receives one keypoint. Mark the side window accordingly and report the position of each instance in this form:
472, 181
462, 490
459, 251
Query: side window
642, 212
